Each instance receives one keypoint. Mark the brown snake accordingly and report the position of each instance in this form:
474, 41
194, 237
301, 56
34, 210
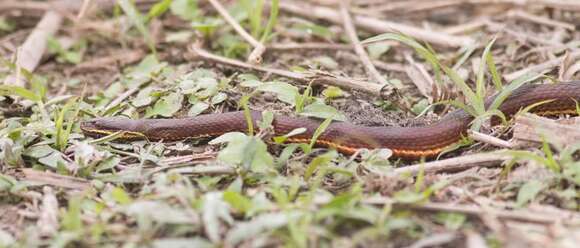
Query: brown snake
405, 142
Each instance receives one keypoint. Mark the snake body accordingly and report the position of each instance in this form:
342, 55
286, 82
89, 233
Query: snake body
347, 138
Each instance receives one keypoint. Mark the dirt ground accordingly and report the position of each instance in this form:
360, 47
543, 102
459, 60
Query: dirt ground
399, 63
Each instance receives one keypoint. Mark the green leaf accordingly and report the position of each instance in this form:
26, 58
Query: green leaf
420, 49
267, 119
158, 9
143, 98
319, 130
321, 160
244, 150
63, 134
5, 26
406, 196
54, 160
283, 138
285, 92
376, 50
6, 184
147, 68
186, 9
495, 76
237, 201
263, 223
71, 220
218, 98
344, 200
167, 106
308, 28
326, 62
197, 109
528, 192
120, 196
451, 220
332, 92
322, 111
480, 81
506, 92
271, 21
19, 91
249, 80
420, 106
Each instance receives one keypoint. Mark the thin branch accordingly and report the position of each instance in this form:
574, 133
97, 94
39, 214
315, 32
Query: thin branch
259, 48
309, 46
457, 163
489, 139
358, 48
49, 178
567, 217
316, 78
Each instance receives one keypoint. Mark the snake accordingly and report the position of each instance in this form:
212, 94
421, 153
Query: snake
416, 142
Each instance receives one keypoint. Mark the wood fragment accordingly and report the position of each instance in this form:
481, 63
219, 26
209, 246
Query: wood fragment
532, 130
32, 50
421, 78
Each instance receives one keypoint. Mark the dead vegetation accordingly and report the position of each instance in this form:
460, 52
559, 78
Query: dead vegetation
64, 61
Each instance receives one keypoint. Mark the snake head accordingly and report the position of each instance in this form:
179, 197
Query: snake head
100, 127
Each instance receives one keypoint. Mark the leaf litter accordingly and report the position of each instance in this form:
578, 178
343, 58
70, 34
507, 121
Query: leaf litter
247, 191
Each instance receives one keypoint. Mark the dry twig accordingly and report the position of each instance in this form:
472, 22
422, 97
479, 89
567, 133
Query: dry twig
49, 178
317, 78
568, 217
259, 48
489, 139
358, 48
457, 163
376, 25
309, 46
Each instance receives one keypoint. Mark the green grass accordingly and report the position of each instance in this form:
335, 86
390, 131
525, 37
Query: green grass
153, 194
475, 97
